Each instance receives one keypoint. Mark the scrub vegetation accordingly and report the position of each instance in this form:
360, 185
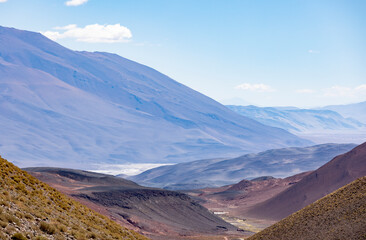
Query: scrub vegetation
30, 209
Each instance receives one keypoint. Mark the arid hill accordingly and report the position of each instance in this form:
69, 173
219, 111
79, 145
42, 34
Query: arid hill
157, 213
339, 215
235, 200
342, 170
30, 209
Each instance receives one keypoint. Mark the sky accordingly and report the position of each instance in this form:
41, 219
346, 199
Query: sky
307, 53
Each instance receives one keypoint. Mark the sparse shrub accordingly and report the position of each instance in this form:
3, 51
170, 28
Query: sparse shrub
10, 229
18, 236
11, 219
3, 224
40, 238
62, 228
92, 236
47, 228
4, 203
28, 216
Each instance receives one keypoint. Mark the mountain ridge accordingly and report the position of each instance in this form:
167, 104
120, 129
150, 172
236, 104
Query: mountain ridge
338, 172
111, 110
281, 162
339, 215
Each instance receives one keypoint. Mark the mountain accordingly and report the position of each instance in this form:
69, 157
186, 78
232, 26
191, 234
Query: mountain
72, 109
339, 215
157, 213
30, 209
233, 201
218, 172
355, 110
318, 125
342, 170
298, 120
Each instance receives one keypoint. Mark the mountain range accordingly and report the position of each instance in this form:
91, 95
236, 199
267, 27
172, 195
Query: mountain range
282, 162
258, 203
354, 110
73, 109
330, 124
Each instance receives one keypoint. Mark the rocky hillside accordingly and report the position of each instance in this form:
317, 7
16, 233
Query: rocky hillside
342, 170
30, 209
339, 215
156, 213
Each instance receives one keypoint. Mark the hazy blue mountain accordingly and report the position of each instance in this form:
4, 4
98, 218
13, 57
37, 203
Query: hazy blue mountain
66, 108
356, 110
298, 120
317, 125
217, 172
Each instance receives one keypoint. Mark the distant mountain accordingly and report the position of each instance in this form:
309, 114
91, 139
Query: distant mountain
342, 170
67, 108
355, 111
339, 215
299, 120
157, 213
30, 209
217, 172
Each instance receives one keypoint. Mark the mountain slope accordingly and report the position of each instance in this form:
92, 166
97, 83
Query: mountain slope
30, 208
342, 170
355, 110
156, 213
217, 172
320, 125
339, 215
298, 120
68, 108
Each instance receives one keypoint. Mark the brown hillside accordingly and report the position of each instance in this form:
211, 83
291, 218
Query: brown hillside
339, 215
342, 170
30, 209
157, 213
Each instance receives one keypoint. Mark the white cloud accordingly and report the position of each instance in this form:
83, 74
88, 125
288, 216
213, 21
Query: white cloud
2, 1
313, 51
91, 33
341, 91
75, 2
260, 87
305, 90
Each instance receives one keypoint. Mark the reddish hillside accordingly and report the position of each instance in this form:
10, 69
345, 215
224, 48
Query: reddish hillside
342, 170
339, 215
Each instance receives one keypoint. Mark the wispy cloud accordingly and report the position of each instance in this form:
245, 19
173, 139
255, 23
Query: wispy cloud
75, 3
260, 87
91, 33
2, 1
306, 91
342, 91
311, 51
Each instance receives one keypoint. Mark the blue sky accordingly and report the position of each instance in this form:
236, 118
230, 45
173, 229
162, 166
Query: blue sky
269, 53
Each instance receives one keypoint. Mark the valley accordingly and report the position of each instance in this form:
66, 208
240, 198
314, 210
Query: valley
96, 146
